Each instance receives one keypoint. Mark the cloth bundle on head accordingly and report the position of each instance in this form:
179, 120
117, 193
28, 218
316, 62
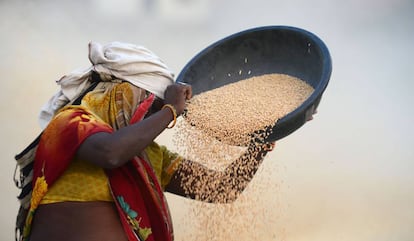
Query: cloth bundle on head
116, 60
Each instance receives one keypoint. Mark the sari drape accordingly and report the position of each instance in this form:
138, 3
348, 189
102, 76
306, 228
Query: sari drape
135, 188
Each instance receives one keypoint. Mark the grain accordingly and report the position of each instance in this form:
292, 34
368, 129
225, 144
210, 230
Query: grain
227, 124
233, 112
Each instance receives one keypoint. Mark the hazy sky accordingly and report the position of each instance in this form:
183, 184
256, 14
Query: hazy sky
347, 175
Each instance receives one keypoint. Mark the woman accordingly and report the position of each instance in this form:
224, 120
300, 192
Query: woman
98, 174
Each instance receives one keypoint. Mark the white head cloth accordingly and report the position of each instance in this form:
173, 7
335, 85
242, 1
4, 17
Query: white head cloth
124, 61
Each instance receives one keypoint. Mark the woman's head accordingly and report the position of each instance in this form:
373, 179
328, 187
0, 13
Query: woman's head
113, 61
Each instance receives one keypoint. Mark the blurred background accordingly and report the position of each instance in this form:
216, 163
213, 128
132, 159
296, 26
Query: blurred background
346, 175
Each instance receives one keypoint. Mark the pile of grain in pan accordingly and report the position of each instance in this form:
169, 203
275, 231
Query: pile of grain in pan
233, 112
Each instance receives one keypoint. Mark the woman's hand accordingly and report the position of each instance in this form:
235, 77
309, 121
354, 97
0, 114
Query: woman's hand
177, 95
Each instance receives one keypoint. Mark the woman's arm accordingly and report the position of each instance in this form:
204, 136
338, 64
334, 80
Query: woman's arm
196, 181
111, 150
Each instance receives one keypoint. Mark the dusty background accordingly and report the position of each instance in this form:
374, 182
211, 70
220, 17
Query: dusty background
347, 175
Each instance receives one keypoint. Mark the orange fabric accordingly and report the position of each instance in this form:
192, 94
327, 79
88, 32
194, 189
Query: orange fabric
54, 154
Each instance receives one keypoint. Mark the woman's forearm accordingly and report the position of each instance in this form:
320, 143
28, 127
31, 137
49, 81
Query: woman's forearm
111, 150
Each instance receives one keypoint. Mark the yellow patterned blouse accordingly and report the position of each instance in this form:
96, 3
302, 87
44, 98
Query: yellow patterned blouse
83, 181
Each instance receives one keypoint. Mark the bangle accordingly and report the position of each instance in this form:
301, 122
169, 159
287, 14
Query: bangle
174, 112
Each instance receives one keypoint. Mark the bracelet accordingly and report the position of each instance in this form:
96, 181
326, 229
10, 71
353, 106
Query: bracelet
174, 112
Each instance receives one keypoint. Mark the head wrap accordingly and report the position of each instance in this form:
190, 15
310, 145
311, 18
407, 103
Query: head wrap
113, 62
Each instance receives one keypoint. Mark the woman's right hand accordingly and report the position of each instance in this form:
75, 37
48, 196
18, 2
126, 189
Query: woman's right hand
177, 95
